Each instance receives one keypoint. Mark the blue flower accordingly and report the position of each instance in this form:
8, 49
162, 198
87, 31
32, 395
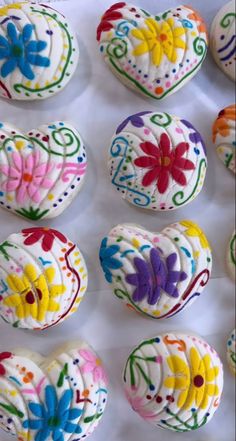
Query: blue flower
108, 260
54, 417
20, 52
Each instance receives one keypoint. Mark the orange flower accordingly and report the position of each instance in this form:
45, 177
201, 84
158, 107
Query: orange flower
221, 125
201, 26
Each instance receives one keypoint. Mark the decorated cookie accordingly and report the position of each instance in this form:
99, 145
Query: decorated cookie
40, 172
157, 274
157, 161
174, 381
231, 256
231, 351
59, 398
43, 278
224, 136
153, 54
38, 51
223, 39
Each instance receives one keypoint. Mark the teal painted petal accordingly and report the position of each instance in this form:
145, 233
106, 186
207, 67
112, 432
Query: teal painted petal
25, 69
34, 424
72, 428
37, 60
114, 263
27, 32
36, 46
12, 33
51, 400
110, 251
64, 402
8, 67
3, 42
75, 413
4, 53
37, 409
58, 435
43, 435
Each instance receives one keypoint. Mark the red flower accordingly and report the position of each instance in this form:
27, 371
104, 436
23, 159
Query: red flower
163, 162
4, 356
110, 15
48, 235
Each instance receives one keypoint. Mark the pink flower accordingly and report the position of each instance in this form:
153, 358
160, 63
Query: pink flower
138, 405
94, 365
26, 176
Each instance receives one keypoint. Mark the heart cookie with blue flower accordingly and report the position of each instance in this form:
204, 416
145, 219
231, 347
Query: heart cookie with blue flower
157, 274
38, 51
62, 397
41, 172
153, 54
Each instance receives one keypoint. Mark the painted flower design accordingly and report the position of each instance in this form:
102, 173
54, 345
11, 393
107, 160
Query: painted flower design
93, 365
195, 16
138, 404
136, 121
26, 176
48, 235
55, 417
222, 124
163, 161
159, 39
110, 15
154, 277
196, 386
21, 52
193, 230
4, 356
33, 295
107, 259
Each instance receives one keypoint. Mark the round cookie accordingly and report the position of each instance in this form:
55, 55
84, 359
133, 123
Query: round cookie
157, 274
224, 136
43, 278
61, 397
157, 161
41, 172
223, 39
231, 256
174, 381
38, 51
231, 352
154, 55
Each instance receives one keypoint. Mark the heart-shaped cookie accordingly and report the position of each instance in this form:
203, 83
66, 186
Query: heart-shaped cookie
43, 278
224, 136
174, 381
41, 172
157, 161
157, 274
38, 51
154, 55
58, 398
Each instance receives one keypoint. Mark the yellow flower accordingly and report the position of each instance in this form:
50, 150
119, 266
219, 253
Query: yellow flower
195, 384
193, 230
33, 295
159, 39
4, 9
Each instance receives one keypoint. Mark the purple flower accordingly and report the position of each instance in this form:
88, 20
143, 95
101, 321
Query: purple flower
135, 120
194, 137
154, 276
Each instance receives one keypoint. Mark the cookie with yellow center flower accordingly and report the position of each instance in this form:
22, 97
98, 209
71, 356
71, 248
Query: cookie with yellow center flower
43, 278
174, 381
153, 54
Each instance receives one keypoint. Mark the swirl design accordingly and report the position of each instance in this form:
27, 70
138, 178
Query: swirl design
38, 266
41, 172
157, 274
64, 395
174, 381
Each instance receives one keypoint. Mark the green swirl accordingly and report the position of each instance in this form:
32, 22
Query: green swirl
70, 139
226, 20
180, 194
199, 46
161, 119
117, 48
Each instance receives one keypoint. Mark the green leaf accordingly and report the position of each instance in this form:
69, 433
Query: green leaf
12, 409
92, 418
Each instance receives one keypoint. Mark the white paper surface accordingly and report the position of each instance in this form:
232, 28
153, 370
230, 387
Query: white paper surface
96, 102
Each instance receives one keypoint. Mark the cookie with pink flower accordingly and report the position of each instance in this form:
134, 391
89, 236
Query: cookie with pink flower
157, 161
41, 172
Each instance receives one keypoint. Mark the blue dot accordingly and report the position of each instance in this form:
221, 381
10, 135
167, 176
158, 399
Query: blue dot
167, 76
9, 149
1, 125
229, 343
152, 387
174, 70
101, 49
80, 159
157, 340
78, 179
65, 194
145, 76
158, 81
134, 66
54, 205
61, 124
72, 187
1, 193
196, 151
60, 200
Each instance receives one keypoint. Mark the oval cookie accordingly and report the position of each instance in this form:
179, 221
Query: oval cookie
157, 274
43, 278
223, 38
61, 397
38, 51
174, 381
41, 172
224, 136
231, 256
154, 55
231, 351
157, 161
